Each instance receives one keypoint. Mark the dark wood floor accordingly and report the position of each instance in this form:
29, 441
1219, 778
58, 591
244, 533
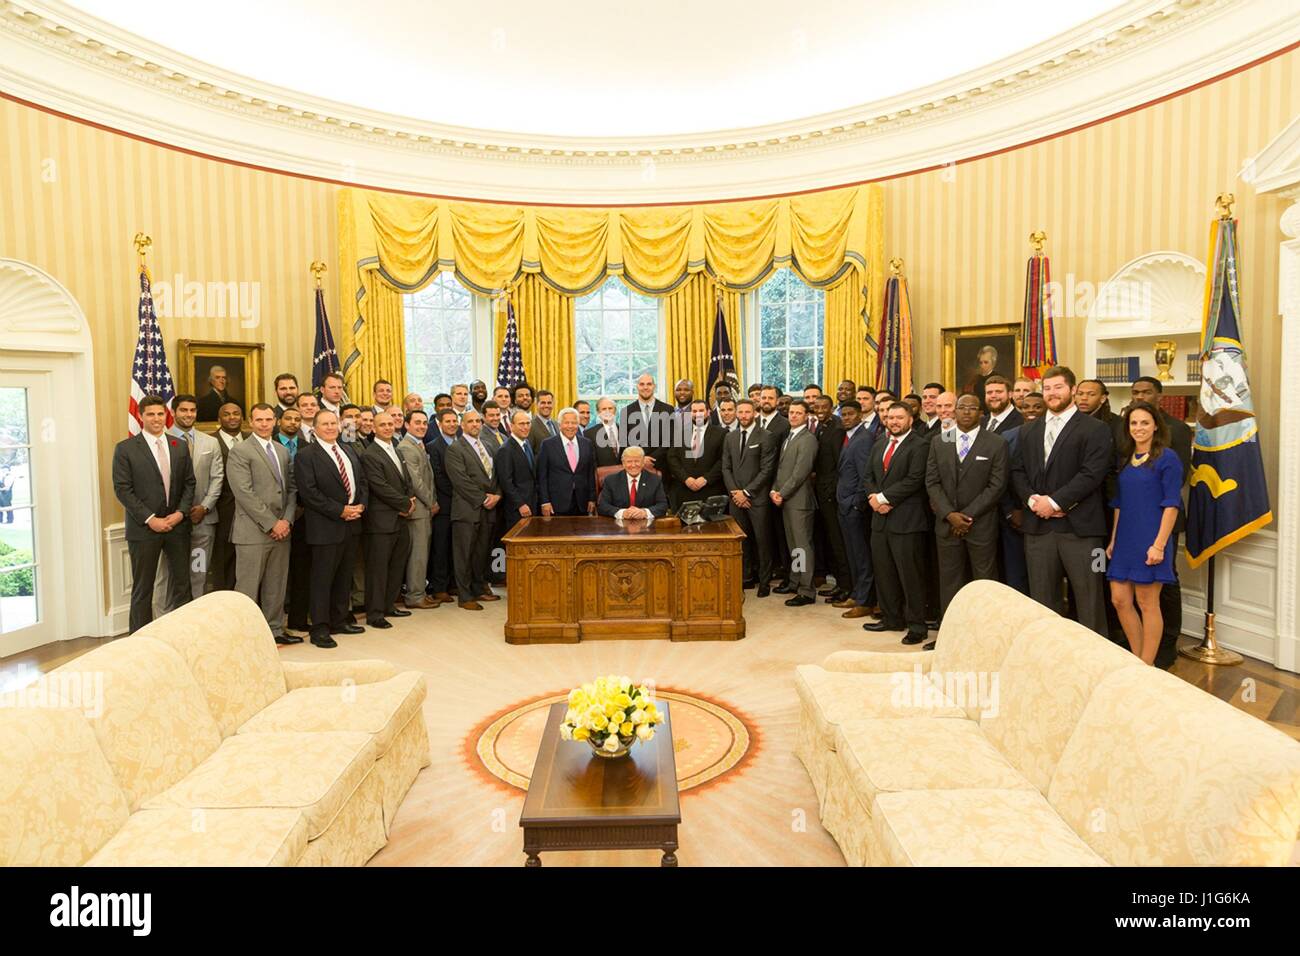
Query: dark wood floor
1259, 689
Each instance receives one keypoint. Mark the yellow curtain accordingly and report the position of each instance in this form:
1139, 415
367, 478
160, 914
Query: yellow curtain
853, 303
690, 313
545, 320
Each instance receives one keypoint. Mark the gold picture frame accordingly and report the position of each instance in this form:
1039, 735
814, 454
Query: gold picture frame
962, 371
243, 363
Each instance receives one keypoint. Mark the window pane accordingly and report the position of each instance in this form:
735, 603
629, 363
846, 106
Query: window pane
13, 417
790, 330
589, 375
802, 327
618, 337
771, 329
803, 368
645, 330
774, 369
614, 295
618, 375
15, 477
17, 599
17, 542
439, 336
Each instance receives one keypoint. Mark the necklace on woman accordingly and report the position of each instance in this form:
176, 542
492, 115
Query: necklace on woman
1138, 458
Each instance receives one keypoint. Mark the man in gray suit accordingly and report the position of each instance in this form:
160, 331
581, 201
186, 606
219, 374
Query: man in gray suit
792, 492
209, 474
412, 451
261, 479
475, 493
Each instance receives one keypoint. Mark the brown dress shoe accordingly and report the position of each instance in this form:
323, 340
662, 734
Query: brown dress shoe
847, 602
489, 596
856, 612
426, 602
444, 597
471, 606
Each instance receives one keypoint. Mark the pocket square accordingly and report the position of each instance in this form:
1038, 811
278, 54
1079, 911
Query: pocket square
981, 458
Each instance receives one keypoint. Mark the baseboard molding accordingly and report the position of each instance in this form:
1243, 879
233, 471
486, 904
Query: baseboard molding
118, 561
1245, 596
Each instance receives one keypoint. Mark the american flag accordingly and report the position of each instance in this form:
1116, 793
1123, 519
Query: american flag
325, 358
510, 369
149, 372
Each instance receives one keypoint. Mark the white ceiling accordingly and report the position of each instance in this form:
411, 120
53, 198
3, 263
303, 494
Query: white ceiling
600, 68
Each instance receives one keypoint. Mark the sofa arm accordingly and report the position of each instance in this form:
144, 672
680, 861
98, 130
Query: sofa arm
303, 674
878, 662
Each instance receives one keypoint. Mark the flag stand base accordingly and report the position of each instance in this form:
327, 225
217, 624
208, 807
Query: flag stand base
1209, 652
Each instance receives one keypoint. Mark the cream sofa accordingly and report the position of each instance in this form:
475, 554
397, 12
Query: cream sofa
191, 743
1070, 752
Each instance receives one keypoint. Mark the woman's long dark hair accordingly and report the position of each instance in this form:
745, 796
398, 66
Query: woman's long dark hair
1159, 438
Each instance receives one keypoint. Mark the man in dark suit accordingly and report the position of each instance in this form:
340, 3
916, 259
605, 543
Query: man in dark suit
441, 563
1148, 389
696, 466
900, 524
387, 534
475, 493
648, 423
603, 434
777, 425
566, 471
748, 466
333, 491
516, 469
154, 480
229, 433
792, 494
966, 478
210, 404
1059, 473
851, 508
830, 443
633, 494
1003, 415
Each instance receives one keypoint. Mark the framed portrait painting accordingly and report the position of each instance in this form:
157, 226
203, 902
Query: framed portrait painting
973, 353
220, 373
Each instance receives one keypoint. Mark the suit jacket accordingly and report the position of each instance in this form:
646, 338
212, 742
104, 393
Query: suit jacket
855, 460
441, 479
469, 481
754, 474
261, 497
794, 471
655, 437
1013, 420
538, 433
226, 500
321, 492
517, 477
830, 441
391, 490
209, 472
606, 454
557, 484
492, 440
778, 428
1074, 477
707, 464
973, 487
413, 454
903, 486
874, 429
650, 495
138, 483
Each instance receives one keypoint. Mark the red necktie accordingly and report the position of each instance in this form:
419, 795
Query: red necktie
343, 473
889, 452
631, 494
845, 443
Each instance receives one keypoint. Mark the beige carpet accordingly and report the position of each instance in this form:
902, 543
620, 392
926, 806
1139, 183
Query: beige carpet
763, 813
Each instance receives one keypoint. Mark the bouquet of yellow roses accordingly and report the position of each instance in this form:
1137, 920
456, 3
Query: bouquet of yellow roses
611, 714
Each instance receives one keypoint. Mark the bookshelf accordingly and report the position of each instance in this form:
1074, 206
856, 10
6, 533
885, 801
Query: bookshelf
1155, 297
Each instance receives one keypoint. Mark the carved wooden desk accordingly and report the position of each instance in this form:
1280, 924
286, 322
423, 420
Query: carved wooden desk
577, 578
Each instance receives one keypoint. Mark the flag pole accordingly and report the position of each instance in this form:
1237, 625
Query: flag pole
142, 244
1209, 651
318, 269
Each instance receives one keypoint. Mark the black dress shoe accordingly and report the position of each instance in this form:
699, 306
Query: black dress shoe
800, 600
348, 629
911, 638
877, 626
763, 591
381, 623
397, 612
288, 639
785, 589
749, 583
928, 646
324, 640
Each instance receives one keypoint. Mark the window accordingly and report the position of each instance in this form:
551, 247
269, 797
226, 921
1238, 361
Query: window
439, 337
617, 333
791, 323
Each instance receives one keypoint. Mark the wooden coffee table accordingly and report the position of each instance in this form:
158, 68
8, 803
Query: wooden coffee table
578, 801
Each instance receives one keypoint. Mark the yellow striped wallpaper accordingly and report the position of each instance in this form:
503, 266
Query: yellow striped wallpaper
72, 196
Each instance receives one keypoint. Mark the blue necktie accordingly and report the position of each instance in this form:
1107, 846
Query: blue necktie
963, 447
275, 464
528, 450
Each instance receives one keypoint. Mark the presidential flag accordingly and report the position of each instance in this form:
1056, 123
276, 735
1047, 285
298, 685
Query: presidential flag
894, 353
510, 367
1227, 498
325, 358
149, 372
722, 363
1038, 333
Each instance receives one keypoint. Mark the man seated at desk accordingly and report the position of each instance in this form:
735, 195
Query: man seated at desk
633, 494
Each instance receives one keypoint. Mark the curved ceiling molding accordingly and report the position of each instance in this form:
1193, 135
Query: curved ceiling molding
61, 59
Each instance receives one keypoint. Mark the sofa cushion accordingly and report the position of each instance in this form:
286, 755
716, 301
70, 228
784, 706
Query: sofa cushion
59, 799
1045, 682
832, 697
314, 773
976, 828
1160, 773
227, 646
179, 837
978, 628
919, 753
154, 726
380, 709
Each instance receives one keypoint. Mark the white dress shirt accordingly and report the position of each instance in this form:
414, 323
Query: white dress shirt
329, 449
901, 438
996, 420
389, 450
1061, 419
230, 441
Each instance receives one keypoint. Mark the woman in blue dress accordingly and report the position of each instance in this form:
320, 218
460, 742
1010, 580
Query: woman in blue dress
1147, 499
